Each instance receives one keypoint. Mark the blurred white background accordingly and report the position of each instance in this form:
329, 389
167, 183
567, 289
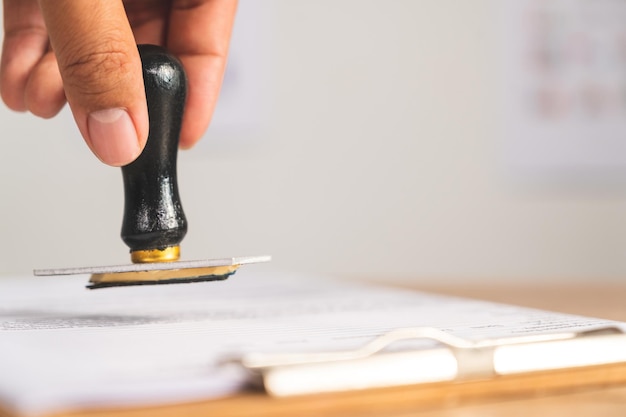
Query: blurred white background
367, 139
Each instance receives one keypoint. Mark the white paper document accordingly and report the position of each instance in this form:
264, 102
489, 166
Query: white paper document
64, 347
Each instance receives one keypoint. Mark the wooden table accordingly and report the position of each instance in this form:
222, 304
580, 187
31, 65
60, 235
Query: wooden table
605, 301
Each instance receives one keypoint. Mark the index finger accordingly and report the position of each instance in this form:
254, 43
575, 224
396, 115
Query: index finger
199, 35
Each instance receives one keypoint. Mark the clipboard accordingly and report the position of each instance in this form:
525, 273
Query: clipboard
496, 376
452, 359
596, 359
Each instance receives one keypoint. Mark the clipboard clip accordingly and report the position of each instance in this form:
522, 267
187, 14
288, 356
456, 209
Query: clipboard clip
450, 358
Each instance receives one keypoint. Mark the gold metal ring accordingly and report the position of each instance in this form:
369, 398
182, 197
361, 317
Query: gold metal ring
169, 254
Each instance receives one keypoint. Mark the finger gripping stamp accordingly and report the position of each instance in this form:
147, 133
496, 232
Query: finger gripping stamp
154, 223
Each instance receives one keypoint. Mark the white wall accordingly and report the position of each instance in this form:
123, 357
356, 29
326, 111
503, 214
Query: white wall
380, 158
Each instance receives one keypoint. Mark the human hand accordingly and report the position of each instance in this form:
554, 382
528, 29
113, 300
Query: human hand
84, 51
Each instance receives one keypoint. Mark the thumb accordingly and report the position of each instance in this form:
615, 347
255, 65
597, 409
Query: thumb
102, 78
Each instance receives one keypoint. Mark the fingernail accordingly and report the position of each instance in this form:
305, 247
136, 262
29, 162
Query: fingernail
113, 137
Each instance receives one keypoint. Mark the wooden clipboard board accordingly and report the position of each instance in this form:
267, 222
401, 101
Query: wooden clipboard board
378, 401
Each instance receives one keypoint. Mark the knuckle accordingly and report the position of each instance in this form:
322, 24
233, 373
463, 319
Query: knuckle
13, 102
43, 102
94, 71
12, 93
45, 110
